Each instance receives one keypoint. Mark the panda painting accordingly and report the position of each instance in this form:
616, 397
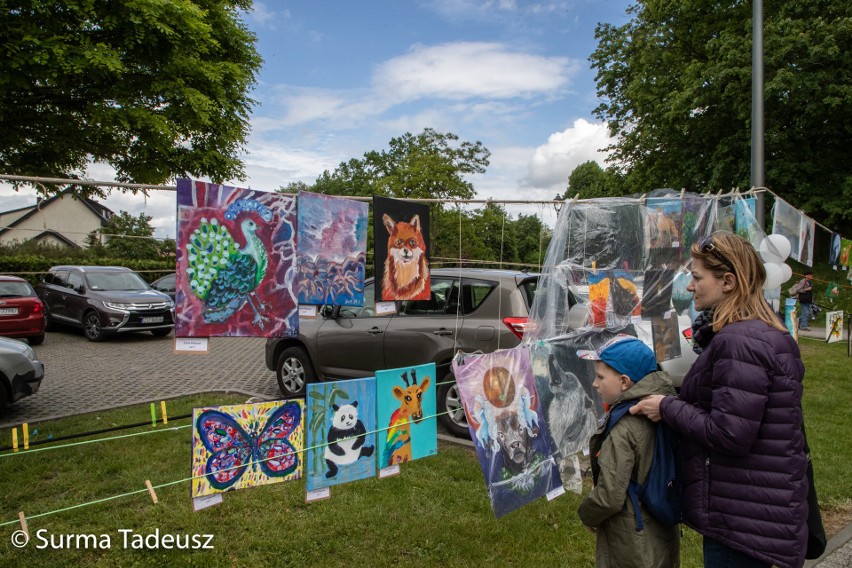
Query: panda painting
345, 438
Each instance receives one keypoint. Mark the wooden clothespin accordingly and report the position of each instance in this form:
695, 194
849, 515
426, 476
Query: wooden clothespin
682, 191
23, 521
163, 408
151, 491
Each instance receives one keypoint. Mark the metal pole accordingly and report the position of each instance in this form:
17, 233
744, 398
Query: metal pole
757, 179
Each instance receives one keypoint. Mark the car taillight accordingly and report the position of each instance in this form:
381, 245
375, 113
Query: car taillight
38, 307
687, 333
516, 325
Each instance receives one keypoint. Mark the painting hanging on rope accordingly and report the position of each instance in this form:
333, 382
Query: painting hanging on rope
833, 326
332, 250
787, 221
246, 445
697, 212
507, 427
406, 403
341, 438
665, 335
664, 228
746, 221
791, 317
657, 292
236, 262
613, 298
834, 250
402, 249
845, 251
806, 241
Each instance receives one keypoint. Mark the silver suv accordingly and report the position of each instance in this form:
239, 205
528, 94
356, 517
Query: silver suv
469, 310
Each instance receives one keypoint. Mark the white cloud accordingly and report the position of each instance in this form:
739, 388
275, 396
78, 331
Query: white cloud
471, 69
264, 15
552, 162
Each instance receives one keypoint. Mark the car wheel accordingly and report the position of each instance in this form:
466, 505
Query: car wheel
36, 339
294, 370
450, 410
161, 332
92, 328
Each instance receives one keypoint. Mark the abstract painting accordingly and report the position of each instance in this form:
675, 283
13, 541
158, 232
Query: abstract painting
236, 262
664, 231
657, 292
406, 404
746, 222
341, 439
402, 249
787, 221
507, 427
791, 317
665, 334
245, 445
833, 326
806, 241
696, 221
845, 251
613, 298
332, 250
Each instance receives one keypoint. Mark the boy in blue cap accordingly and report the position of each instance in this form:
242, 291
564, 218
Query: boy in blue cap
625, 370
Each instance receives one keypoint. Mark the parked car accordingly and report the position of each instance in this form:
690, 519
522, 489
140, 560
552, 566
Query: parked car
166, 285
21, 310
351, 342
105, 300
20, 371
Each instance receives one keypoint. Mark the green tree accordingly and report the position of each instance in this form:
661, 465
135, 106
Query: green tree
94, 245
429, 165
590, 181
131, 237
155, 89
675, 82
294, 187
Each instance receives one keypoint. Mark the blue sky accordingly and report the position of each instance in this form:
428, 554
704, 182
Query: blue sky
343, 78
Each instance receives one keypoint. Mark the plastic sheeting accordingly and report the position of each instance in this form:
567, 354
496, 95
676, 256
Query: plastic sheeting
618, 265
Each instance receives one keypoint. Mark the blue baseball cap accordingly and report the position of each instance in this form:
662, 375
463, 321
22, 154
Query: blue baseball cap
626, 354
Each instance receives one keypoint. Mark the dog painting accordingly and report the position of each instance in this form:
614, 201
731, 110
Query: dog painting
403, 260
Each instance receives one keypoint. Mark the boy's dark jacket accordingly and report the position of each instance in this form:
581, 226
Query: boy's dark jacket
627, 451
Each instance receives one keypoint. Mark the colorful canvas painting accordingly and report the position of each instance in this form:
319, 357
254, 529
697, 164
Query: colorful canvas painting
657, 292
406, 404
833, 326
682, 299
507, 427
696, 221
725, 215
834, 250
332, 250
664, 231
666, 340
787, 221
341, 426
613, 298
845, 251
746, 221
402, 249
791, 317
246, 445
236, 262
806, 241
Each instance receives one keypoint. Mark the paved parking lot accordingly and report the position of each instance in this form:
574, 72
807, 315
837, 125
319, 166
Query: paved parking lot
132, 368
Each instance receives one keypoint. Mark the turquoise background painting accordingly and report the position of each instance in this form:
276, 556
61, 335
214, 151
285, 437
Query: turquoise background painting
423, 436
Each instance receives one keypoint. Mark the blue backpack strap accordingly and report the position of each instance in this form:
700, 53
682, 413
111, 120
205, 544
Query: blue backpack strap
633, 489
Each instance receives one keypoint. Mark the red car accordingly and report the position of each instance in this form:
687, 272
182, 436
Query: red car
21, 311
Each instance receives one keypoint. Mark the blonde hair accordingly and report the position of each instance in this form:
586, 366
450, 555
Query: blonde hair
746, 301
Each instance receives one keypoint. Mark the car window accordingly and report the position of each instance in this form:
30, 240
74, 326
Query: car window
115, 281
475, 292
75, 281
441, 292
59, 278
167, 282
12, 289
528, 287
368, 310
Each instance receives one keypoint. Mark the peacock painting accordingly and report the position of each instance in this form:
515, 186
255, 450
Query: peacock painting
236, 262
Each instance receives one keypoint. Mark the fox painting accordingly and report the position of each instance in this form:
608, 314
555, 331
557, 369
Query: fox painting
406, 266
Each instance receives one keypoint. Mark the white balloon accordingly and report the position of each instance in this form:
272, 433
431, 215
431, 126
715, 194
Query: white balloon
773, 275
786, 272
775, 248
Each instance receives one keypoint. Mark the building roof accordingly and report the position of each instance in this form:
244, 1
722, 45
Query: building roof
101, 211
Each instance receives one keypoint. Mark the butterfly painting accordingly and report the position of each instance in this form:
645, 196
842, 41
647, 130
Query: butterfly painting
234, 447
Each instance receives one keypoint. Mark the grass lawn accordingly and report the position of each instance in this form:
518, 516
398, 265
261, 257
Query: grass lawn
436, 513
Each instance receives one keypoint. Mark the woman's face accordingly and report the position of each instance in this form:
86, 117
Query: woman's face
705, 286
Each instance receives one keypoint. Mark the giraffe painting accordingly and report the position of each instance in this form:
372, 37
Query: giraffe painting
407, 406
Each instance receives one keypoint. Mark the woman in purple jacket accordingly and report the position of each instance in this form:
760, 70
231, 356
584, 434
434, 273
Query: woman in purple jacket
739, 416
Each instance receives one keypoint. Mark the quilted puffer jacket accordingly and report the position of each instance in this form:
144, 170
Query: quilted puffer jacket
740, 420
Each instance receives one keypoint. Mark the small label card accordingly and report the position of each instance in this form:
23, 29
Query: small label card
191, 344
205, 501
307, 311
555, 492
388, 471
318, 494
385, 308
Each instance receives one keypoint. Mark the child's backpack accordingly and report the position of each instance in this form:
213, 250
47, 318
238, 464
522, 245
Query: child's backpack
661, 494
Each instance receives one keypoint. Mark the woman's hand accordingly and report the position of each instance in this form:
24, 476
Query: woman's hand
649, 406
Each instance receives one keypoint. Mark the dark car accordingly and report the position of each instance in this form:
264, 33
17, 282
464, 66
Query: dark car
104, 300
469, 310
20, 371
21, 311
166, 285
